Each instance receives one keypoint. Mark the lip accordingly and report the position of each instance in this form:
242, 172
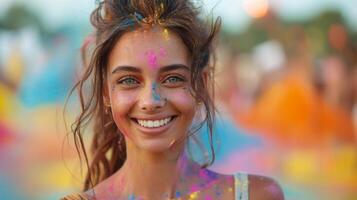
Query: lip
154, 131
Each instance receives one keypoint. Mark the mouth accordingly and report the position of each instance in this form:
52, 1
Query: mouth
152, 124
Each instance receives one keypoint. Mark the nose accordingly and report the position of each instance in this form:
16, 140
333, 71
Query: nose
151, 98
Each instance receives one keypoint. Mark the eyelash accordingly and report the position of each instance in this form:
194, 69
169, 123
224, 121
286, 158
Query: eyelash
178, 79
124, 81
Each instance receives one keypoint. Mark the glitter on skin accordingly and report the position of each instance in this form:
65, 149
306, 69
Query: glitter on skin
165, 33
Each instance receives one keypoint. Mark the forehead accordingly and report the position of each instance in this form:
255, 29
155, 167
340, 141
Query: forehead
136, 48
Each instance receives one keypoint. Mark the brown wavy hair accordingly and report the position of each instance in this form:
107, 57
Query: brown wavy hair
111, 19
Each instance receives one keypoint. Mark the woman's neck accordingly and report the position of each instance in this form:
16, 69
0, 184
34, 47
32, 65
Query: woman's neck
156, 175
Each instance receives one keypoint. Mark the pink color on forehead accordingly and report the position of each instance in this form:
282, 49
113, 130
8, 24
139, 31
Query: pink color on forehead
162, 52
152, 59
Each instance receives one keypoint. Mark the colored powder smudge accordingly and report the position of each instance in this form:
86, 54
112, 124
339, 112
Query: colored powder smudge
203, 174
194, 195
152, 59
272, 189
131, 197
162, 52
128, 22
177, 194
211, 175
208, 198
194, 188
155, 95
166, 34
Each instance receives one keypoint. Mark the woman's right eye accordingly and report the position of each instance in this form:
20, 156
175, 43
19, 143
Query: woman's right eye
128, 82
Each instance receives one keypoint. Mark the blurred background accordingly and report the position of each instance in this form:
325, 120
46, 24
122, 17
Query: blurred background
286, 88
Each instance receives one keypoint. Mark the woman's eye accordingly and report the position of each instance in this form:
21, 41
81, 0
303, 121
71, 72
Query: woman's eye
173, 79
129, 81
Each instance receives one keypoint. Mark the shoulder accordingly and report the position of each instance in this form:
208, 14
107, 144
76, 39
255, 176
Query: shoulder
76, 196
261, 187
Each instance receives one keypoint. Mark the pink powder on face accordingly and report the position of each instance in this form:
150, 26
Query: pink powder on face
162, 52
152, 59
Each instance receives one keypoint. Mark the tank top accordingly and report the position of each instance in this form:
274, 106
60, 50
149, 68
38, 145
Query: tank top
241, 186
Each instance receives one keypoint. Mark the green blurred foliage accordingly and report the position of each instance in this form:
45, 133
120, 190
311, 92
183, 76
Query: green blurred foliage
311, 35
19, 16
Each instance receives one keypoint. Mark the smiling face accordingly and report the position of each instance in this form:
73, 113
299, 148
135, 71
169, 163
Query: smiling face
148, 82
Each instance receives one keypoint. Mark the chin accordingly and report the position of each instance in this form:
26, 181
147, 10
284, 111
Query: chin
155, 146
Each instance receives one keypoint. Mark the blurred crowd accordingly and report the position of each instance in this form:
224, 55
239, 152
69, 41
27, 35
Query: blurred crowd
291, 85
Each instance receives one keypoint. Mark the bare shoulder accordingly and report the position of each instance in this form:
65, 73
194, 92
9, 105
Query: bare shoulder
76, 196
264, 188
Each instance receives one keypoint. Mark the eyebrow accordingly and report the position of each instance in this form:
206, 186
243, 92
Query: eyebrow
161, 70
173, 67
126, 68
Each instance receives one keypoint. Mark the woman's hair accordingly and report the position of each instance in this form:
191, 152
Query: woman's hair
112, 19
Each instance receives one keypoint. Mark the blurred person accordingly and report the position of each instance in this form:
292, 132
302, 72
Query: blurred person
150, 93
304, 117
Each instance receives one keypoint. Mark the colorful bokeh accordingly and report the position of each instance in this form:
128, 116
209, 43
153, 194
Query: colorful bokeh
286, 92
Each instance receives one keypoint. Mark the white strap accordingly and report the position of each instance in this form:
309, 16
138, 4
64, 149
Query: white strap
241, 186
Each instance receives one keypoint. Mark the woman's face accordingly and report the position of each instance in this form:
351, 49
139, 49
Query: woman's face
149, 88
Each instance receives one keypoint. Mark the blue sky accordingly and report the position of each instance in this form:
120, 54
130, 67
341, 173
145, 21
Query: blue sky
58, 12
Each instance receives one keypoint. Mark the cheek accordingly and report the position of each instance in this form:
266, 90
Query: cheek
183, 101
122, 103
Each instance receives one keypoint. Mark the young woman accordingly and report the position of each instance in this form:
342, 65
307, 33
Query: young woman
150, 73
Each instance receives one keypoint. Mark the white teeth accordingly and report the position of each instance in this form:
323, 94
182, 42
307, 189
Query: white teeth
154, 123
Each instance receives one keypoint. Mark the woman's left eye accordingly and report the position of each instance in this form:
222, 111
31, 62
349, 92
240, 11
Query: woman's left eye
173, 79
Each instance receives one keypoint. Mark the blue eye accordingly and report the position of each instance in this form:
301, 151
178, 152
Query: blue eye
173, 79
128, 81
